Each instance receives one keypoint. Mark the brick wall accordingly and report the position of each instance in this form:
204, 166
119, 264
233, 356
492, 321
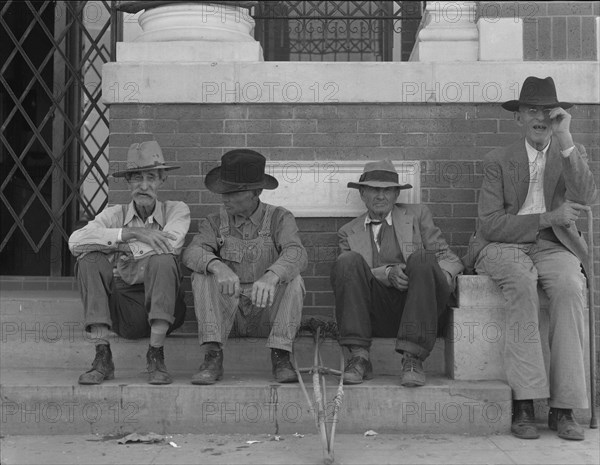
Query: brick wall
449, 140
552, 31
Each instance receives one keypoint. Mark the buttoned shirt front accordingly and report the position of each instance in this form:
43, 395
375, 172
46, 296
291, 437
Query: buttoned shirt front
535, 202
103, 233
376, 227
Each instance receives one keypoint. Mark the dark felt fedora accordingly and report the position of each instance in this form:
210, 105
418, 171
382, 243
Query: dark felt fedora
240, 170
538, 92
144, 156
379, 174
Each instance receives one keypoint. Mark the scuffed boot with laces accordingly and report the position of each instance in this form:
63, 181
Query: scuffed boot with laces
283, 371
102, 367
211, 370
155, 365
412, 371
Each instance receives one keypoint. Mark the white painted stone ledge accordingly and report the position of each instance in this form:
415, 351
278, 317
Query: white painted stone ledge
310, 82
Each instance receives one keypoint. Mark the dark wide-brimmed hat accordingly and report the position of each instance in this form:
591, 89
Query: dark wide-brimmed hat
538, 92
144, 156
240, 170
379, 174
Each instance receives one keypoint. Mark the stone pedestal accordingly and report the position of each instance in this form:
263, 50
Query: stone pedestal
449, 33
193, 32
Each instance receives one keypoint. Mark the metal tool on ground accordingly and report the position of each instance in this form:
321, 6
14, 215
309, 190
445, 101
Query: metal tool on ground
321, 330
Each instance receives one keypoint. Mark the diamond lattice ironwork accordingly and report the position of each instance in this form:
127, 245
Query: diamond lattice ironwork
54, 136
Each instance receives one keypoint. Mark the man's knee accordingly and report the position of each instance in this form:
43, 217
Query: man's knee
348, 259
162, 262
421, 261
93, 261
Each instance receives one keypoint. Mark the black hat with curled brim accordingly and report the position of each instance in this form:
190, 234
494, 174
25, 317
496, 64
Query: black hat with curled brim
240, 170
537, 92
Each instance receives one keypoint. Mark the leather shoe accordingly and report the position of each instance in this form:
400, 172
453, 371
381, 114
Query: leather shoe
357, 369
102, 367
155, 365
413, 374
211, 370
523, 421
561, 420
283, 371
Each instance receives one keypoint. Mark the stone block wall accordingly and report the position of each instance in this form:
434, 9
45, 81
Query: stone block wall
555, 31
449, 140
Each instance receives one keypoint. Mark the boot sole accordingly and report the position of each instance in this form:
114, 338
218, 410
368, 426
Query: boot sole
107, 377
202, 382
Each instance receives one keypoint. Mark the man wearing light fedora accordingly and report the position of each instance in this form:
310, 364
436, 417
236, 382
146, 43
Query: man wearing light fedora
246, 262
532, 193
393, 277
128, 269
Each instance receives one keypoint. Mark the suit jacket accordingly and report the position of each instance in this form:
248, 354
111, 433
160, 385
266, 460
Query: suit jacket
504, 189
414, 230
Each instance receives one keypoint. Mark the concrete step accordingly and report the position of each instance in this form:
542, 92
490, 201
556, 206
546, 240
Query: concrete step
48, 401
44, 329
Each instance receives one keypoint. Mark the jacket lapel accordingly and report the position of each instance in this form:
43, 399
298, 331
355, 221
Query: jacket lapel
403, 227
360, 240
551, 173
520, 173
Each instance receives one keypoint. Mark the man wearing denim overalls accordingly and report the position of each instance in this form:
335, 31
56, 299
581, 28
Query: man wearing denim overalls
247, 261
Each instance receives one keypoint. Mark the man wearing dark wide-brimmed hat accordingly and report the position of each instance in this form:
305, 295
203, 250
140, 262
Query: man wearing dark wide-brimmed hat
532, 193
393, 277
247, 260
128, 269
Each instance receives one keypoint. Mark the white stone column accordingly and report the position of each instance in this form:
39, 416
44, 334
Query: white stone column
449, 33
194, 31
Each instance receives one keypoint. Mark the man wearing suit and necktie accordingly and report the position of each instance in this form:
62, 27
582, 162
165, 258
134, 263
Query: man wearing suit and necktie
532, 193
393, 277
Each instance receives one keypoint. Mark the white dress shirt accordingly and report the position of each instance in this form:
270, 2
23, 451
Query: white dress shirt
534, 202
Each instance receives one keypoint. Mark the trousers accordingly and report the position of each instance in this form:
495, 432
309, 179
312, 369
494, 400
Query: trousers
221, 316
517, 269
366, 308
128, 310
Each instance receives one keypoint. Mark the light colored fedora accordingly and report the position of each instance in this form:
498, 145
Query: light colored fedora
144, 156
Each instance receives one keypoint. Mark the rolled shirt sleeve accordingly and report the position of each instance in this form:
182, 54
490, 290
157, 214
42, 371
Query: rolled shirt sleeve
99, 235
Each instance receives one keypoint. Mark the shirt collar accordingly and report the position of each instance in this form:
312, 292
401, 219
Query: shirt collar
255, 218
532, 151
155, 217
369, 220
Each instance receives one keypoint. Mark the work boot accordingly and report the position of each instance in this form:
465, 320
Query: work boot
211, 370
523, 420
155, 365
283, 371
412, 371
102, 367
561, 420
357, 369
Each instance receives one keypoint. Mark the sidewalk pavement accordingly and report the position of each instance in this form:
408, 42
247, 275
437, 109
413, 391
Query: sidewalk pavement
446, 449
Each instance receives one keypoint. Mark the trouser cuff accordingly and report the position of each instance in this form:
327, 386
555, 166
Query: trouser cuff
412, 348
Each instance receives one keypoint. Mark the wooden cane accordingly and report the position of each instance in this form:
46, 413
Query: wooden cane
592, 318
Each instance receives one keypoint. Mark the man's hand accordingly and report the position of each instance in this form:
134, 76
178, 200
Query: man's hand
560, 123
158, 240
263, 290
564, 215
228, 281
397, 277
